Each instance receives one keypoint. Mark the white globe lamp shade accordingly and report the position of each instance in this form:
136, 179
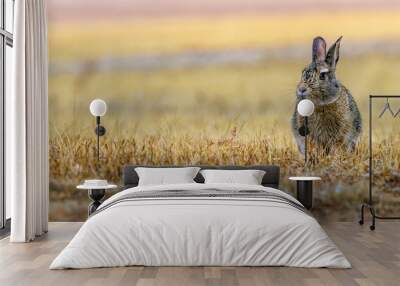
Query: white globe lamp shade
98, 107
305, 107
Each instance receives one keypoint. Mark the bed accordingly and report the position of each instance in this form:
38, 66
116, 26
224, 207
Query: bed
198, 224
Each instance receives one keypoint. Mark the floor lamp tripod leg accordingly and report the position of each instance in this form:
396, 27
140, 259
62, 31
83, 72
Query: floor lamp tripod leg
361, 221
372, 226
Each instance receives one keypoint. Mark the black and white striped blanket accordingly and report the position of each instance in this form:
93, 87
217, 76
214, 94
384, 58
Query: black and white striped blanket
205, 194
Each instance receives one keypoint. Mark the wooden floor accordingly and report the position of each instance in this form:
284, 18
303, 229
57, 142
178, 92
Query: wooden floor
375, 257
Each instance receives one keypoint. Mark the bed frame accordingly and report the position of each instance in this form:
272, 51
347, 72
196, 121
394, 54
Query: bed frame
130, 178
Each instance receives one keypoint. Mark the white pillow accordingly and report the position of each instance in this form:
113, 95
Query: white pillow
248, 177
164, 176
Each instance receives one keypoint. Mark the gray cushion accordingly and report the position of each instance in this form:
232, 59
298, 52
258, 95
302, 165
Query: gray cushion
271, 178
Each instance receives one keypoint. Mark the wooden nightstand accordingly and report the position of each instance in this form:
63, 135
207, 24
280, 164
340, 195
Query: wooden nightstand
305, 190
96, 194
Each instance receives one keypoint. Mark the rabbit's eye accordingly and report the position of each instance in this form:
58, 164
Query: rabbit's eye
323, 76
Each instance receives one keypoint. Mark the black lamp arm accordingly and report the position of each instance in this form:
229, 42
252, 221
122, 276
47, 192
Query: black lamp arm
100, 131
305, 139
304, 131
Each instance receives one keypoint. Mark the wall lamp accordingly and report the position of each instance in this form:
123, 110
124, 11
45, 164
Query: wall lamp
98, 108
305, 108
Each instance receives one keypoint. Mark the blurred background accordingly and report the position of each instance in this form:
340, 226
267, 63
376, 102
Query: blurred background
202, 81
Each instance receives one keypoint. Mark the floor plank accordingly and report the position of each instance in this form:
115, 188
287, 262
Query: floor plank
375, 257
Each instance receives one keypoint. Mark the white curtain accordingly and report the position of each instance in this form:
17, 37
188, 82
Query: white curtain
27, 124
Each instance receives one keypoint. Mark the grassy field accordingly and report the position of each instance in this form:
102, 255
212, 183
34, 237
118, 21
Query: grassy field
217, 114
344, 177
258, 97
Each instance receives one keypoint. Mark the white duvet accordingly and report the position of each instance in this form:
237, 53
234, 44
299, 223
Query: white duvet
200, 231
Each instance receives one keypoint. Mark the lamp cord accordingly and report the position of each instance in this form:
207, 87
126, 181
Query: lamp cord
98, 143
98, 148
305, 141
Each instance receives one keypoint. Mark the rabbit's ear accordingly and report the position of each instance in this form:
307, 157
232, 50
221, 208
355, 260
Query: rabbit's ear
319, 50
332, 57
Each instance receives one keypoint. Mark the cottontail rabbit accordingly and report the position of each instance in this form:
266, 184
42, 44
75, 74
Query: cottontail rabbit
336, 121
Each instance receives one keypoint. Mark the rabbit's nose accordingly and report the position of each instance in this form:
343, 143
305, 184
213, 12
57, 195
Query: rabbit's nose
301, 91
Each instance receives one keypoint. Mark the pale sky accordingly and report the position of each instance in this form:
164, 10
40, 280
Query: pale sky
81, 10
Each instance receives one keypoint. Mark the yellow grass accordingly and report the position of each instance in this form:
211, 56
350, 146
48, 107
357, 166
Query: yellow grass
169, 35
72, 159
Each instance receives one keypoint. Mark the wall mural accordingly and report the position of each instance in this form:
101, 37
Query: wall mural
217, 83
